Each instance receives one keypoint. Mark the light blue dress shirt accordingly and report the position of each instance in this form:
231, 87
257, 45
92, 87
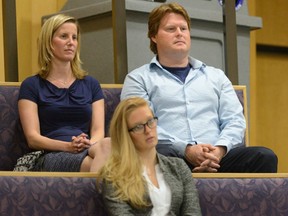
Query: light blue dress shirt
204, 109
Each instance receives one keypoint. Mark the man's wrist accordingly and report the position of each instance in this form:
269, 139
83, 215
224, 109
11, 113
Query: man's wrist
222, 151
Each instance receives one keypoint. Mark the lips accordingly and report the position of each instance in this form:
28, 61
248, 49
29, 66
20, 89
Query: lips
150, 139
182, 42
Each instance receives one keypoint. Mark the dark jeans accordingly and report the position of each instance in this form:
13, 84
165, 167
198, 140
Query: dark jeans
241, 159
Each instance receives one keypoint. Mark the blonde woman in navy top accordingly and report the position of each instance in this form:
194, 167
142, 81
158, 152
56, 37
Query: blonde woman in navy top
62, 108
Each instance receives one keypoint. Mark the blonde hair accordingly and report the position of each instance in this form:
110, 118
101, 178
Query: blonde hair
45, 47
156, 16
124, 169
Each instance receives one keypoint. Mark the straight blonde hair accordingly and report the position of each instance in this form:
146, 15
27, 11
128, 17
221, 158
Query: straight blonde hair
124, 169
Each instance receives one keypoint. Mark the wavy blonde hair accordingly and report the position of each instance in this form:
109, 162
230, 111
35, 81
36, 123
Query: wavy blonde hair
124, 168
44, 43
156, 16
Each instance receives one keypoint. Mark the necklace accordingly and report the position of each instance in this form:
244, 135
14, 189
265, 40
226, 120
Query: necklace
61, 82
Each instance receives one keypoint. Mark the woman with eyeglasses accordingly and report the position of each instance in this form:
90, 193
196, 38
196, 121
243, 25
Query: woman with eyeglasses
136, 180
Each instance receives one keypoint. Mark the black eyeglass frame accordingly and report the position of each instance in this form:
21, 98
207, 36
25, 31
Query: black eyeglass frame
150, 121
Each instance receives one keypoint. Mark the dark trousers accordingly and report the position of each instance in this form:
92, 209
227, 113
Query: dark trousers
241, 159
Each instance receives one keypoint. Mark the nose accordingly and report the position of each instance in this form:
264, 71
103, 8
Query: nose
179, 31
70, 40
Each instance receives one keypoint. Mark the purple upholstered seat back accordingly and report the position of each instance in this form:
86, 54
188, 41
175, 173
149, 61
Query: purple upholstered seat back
56, 195
243, 196
112, 99
65, 196
12, 140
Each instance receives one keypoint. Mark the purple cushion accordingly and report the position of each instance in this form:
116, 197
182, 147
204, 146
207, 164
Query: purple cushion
26, 195
112, 99
12, 141
243, 196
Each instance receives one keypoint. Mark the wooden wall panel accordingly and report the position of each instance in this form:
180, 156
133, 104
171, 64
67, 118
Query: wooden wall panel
272, 103
269, 126
2, 71
275, 25
29, 13
253, 83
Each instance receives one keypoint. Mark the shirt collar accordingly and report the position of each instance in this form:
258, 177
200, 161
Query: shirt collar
196, 64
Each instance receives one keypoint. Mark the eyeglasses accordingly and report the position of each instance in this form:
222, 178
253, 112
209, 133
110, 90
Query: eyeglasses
140, 128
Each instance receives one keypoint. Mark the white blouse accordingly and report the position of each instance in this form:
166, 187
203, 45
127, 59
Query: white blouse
160, 197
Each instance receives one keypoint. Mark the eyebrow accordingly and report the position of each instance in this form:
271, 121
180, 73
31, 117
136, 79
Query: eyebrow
140, 123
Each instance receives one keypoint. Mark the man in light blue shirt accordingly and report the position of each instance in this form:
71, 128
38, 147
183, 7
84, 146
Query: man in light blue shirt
200, 117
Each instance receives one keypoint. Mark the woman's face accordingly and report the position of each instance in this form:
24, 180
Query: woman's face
146, 138
65, 42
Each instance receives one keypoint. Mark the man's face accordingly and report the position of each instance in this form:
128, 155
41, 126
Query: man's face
173, 36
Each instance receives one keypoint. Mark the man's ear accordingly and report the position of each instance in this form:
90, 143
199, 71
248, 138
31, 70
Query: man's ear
153, 39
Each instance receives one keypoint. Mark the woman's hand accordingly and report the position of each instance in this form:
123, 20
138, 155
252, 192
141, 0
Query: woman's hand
80, 143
